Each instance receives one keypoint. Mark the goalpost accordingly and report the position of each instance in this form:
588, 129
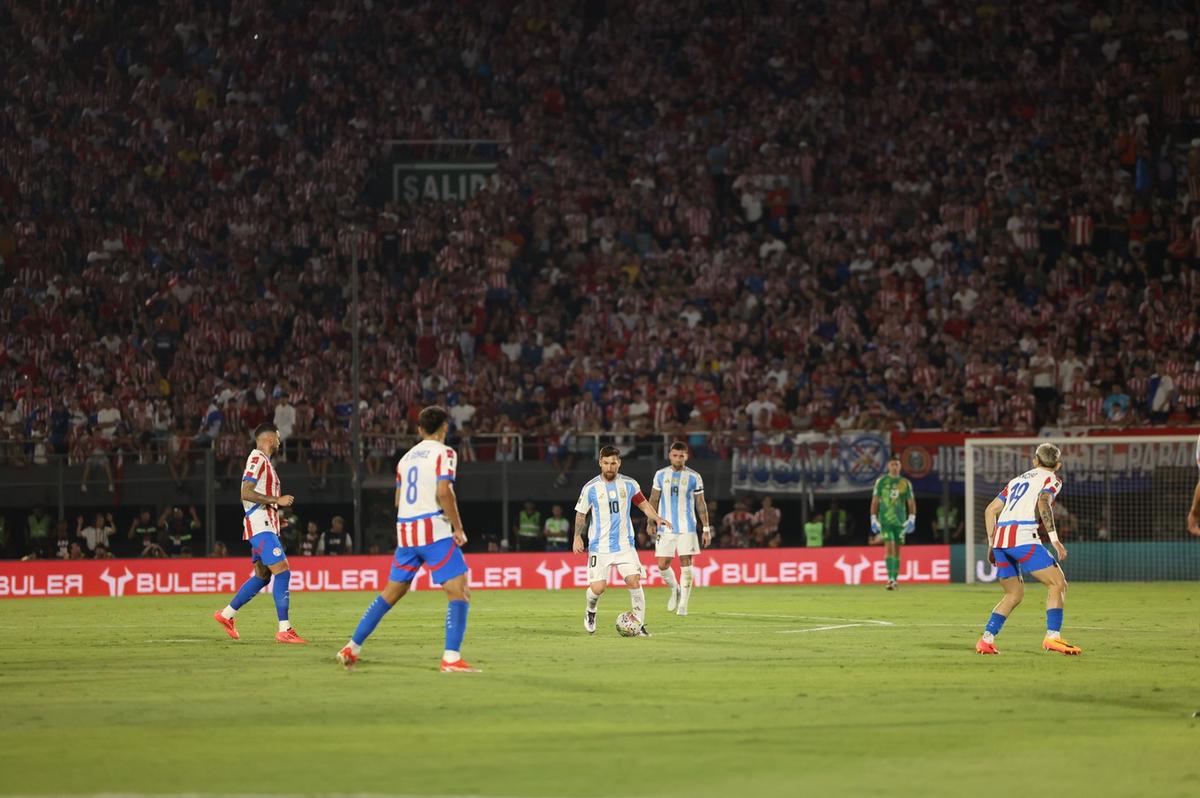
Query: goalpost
1122, 514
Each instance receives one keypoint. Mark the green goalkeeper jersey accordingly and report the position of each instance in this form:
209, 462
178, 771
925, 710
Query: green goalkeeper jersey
893, 494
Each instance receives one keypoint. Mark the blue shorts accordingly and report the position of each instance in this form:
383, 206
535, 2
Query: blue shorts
443, 559
1028, 558
266, 548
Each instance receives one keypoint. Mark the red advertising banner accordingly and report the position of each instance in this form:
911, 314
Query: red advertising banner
549, 571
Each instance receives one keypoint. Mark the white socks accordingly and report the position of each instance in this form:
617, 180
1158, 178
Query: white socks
450, 656
1053, 635
685, 588
668, 576
228, 612
355, 648
638, 598
988, 637
592, 600
285, 625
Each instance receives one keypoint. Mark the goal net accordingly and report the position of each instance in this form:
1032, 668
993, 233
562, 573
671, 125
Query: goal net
1122, 513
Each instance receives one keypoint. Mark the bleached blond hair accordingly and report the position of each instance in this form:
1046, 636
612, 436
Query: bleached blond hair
1048, 455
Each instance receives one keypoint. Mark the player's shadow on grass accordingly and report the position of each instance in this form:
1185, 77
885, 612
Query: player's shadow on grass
388, 665
948, 646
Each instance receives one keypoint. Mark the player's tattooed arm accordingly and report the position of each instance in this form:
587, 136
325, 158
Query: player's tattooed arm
702, 514
654, 494
1045, 511
580, 528
1046, 515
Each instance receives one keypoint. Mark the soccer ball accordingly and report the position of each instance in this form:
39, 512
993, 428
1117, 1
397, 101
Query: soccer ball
628, 625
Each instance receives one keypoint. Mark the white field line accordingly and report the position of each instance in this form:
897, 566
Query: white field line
866, 621
822, 628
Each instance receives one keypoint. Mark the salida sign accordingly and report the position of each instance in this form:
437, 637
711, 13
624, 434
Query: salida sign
549, 571
440, 181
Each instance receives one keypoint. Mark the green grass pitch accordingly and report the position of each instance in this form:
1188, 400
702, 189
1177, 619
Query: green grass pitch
772, 691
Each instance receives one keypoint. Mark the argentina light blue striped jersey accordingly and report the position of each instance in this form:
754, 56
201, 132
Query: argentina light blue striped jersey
610, 529
677, 491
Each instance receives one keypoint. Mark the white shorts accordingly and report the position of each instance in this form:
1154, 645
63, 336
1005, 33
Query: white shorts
669, 544
627, 563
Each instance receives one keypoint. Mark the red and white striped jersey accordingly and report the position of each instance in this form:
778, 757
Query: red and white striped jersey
577, 227
406, 390
1093, 410
1018, 521
925, 375
697, 219
260, 517
1023, 415
1188, 383
1139, 388
419, 518
1081, 228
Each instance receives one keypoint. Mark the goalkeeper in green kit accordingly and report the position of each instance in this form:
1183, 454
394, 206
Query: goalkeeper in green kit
893, 515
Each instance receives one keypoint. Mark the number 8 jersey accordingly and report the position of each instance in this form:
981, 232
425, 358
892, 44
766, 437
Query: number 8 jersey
1018, 521
419, 517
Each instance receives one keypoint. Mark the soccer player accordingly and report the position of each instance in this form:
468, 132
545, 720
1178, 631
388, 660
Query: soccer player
608, 498
893, 515
429, 532
678, 494
260, 502
1012, 521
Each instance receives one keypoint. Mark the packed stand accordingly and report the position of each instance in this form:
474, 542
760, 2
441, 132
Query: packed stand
719, 222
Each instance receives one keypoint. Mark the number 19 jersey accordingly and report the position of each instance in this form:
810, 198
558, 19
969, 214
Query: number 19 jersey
419, 518
677, 492
1018, 521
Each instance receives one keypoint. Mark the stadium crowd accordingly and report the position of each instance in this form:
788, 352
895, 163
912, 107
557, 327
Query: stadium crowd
722, 220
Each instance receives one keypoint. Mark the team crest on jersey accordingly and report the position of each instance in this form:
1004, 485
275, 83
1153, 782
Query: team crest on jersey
277, 551
621, 493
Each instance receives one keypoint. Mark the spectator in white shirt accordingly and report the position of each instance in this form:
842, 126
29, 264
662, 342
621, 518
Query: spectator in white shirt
463, 412
108, 418
98, 533
285, 420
